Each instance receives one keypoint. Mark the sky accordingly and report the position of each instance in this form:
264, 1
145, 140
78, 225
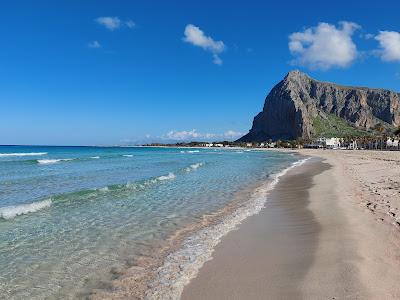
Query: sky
127, 72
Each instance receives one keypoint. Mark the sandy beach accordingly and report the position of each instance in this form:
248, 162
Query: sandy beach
329, 230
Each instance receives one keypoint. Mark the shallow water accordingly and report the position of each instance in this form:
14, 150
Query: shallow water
71, 216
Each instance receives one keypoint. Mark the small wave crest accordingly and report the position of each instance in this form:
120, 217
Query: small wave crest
95, 157
23, 154
52, 161
189, 151
127, 155
194, 167
10, 212
104, 189
170, 176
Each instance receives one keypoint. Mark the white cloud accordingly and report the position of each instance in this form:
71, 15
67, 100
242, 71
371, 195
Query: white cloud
195, 36
194, 135
389, 43
368, 36
110, 23
324, 46
130, 24
94, 44
113, 23
233, 134
187, 135
217, 60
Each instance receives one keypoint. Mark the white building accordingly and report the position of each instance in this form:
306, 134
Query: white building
392, 143
330, 143
333, 143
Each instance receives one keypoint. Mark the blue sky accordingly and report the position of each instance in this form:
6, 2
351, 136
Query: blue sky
111, 72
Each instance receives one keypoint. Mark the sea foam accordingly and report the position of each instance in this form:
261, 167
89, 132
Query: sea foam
194, 167
10, 212
23, 154
170, 176
52, 161
183, 265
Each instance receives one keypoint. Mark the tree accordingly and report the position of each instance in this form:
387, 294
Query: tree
379, 128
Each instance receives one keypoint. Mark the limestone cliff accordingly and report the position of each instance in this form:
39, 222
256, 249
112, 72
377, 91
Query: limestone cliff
294, 104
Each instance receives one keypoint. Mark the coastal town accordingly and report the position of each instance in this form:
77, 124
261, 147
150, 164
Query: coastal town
334, 143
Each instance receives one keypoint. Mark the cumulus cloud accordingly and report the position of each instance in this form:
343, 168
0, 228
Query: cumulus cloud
110, 23
324, 46
94, 44
113, 23
187, 135
389, 44
195, 36
195, 135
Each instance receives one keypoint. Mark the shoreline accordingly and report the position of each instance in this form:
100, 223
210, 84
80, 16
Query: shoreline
164, 276
334, 251
183, 265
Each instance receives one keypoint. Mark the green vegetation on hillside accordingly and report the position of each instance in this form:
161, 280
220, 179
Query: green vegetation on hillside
334, 126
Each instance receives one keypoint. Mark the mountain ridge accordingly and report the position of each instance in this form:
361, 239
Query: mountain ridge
296, 101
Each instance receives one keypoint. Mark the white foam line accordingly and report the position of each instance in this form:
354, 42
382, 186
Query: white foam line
170, 176
183, 265
194, 167
23, 154
10, 212
52, 161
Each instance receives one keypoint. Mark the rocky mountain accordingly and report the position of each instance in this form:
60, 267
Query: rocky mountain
302, 107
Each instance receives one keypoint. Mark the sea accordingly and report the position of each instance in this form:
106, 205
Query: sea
92, 222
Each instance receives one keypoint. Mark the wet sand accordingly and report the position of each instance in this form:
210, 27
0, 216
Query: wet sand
309, 242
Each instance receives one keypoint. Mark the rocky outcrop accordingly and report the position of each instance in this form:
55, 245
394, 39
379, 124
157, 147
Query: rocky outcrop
294, 103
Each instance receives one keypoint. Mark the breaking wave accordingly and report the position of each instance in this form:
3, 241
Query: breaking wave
10, 212
194, 167
170, 176
189, 151
23, 154
52, 161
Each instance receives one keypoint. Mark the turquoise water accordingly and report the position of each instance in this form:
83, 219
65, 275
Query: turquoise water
71, 216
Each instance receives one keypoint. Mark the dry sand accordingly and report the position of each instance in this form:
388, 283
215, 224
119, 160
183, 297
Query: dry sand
327, 232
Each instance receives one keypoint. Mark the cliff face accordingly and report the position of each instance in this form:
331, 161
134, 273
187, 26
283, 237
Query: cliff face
293, 105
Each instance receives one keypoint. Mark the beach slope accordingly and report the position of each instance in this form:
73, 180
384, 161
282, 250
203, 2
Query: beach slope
312, 241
